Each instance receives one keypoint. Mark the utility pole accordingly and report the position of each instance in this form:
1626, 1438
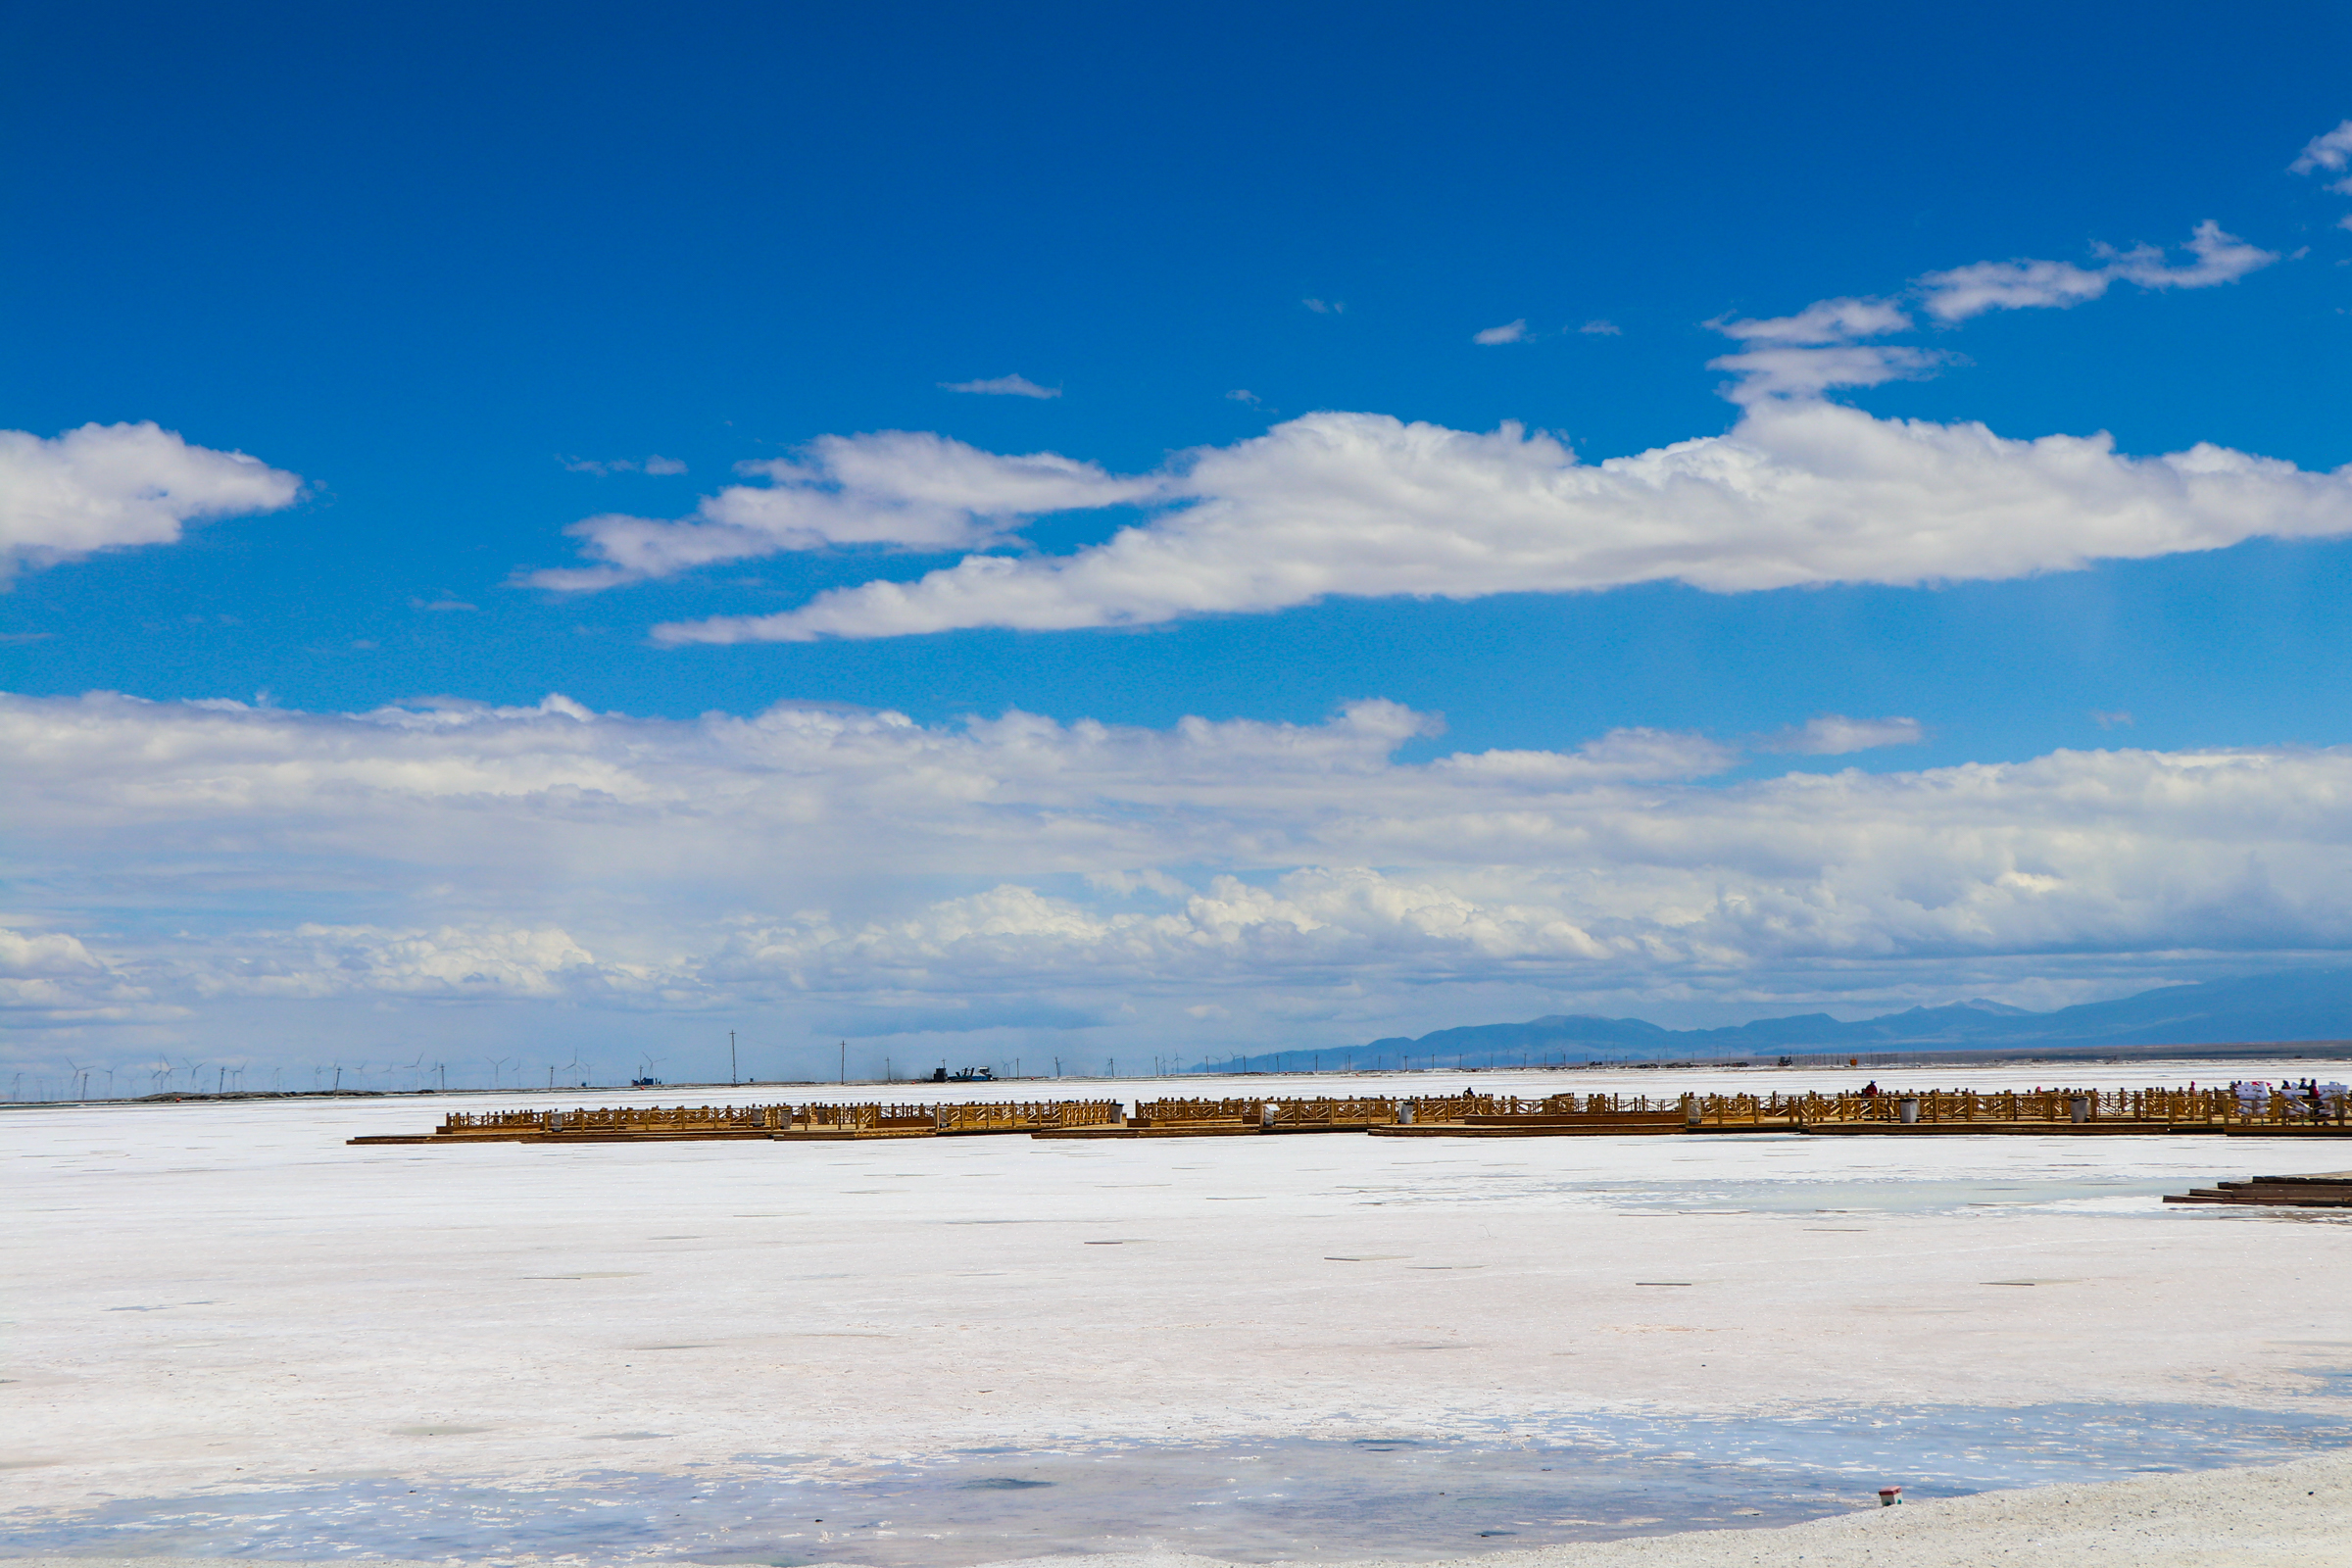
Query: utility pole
845, 1062
731, 1077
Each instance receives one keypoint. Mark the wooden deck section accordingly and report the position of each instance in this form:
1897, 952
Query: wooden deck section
2324, 1190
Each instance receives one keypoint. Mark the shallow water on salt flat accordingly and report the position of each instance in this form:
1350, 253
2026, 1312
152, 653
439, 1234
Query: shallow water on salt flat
1586, 1478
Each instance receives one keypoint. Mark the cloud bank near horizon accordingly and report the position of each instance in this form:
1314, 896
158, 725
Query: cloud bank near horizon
860, 872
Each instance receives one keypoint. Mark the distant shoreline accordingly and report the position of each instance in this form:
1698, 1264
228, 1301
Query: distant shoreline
1809, 1062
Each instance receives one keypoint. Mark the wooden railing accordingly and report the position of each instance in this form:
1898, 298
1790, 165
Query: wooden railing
1025, 1115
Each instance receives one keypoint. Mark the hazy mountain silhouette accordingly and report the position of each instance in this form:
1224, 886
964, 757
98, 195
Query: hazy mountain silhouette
2299, 1005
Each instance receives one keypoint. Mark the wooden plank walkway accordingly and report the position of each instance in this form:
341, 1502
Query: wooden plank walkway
2322, 1189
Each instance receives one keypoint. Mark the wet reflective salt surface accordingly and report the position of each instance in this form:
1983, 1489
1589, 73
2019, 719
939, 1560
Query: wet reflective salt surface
1401, 1499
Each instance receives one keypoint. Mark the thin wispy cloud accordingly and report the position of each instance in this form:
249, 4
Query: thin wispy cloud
656, 465
2329, 152
1508, 332
1600, 328
1326, 307
1817, 349
900, 489
446, 604
1002, 386
2117, 719
1836, 735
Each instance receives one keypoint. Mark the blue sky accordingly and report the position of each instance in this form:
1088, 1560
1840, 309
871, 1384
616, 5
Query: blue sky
463, 285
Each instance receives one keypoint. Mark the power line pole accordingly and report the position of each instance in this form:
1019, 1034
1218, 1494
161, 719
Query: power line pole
731, 1074
845, 1062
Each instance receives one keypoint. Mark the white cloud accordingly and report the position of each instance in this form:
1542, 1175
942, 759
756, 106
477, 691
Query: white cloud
1836, 735
1002, 386
1602, 328
1967, 291
1972, 290
108, 486
1325, 307
310, 962
812, 863
657, 466
1509, 332
2330, 151
1797, 493
2220, 259
899, 488
1823, 321
1241, 394
1791, 373
2117, 720
446, 604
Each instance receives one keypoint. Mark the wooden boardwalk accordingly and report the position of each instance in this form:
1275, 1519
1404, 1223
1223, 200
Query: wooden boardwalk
2237, 1111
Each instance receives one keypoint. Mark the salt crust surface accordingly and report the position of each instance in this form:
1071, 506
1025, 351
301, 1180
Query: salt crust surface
221, 1296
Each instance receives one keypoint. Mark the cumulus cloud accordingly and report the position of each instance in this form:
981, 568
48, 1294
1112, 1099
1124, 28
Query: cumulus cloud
51, 980
1002, 386
109, 486
899, 488
836, 864
1799, 492
1836, 735
1508, 332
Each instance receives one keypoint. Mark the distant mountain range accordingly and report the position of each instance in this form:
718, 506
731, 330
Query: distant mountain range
2306, 1005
